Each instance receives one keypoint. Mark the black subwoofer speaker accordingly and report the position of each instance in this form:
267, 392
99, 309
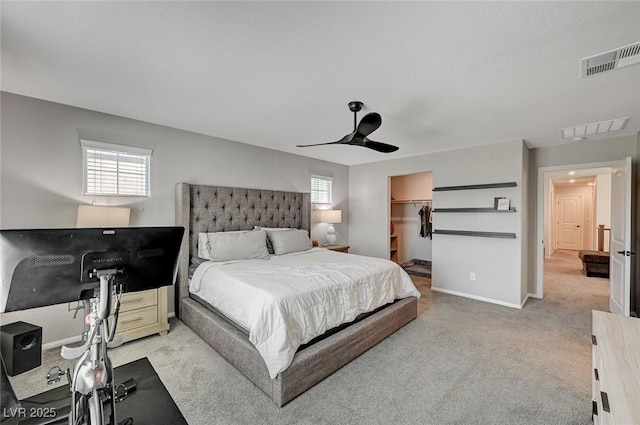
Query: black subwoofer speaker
21, 345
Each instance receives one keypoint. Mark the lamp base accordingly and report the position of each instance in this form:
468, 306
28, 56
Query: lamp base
331, 235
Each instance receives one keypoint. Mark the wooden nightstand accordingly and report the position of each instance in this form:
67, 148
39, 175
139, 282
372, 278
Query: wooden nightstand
339, 248
143, 313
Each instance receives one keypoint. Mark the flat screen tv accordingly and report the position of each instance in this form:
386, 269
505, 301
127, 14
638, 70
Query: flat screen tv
41, 267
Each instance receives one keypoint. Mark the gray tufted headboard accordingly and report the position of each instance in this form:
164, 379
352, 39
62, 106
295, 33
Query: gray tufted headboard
201, 208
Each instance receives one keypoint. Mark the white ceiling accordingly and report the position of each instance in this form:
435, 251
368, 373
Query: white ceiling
443, 75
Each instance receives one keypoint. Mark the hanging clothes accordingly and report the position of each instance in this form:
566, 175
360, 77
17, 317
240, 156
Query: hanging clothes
425, 222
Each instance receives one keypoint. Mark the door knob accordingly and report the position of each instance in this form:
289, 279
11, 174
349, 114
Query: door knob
578, 225
627, 253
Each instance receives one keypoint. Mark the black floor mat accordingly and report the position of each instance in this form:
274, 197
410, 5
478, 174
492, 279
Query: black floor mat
418, 267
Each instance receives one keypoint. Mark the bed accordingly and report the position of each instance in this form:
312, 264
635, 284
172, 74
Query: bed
210, 209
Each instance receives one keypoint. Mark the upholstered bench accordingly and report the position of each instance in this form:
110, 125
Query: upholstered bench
595, 263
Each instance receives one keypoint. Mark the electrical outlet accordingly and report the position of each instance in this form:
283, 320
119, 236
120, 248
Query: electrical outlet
472, 276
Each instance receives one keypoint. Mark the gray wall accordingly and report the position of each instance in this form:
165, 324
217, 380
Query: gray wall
585, 152
41, 176
41, 186
524, 225
636, 288
498, 263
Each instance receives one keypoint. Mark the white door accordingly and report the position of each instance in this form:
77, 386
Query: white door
569, 222
620, 248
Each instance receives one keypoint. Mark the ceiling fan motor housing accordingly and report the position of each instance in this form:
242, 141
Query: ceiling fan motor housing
355, 106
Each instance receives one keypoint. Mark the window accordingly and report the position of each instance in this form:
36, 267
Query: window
321, 190
115, 170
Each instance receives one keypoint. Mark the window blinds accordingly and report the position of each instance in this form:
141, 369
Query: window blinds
321, 189
115, 170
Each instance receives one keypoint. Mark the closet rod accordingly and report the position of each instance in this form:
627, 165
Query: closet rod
413, 201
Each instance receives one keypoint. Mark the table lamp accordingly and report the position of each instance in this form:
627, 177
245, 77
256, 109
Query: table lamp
98, 216
331, 217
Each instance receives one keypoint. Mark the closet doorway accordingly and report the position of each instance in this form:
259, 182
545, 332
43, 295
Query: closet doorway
410, 205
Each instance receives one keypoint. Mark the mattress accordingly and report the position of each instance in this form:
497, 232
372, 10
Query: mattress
288, 300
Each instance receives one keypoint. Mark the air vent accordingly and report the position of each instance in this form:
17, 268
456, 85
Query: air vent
580, 132
53, 260
611, 60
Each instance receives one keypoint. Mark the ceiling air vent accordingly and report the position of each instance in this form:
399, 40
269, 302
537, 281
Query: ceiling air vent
580, 132
611, 60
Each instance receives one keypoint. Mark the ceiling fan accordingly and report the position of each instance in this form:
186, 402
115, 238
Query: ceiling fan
369, 123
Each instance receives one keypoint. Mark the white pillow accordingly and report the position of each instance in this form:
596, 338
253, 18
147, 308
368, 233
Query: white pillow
227, 246
272, 229
203, 242
290, 241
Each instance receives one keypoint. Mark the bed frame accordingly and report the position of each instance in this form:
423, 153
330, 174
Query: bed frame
202, 208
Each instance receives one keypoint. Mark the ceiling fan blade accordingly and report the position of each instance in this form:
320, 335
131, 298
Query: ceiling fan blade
343, 140
379, 146
369, 123
316, 144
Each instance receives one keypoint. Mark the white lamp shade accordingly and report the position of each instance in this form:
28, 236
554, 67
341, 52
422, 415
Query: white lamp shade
94, 216
330, 216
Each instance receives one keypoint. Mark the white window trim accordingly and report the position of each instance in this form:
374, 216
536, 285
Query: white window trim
113, 147
329, 179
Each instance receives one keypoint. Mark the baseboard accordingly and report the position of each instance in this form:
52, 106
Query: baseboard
526, 298
535, 295
71, 340
478, 298
61, 342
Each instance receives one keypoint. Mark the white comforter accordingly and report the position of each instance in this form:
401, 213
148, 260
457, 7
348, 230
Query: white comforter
288, 300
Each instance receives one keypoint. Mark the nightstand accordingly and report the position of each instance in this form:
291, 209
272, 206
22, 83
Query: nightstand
339, 248
143, 313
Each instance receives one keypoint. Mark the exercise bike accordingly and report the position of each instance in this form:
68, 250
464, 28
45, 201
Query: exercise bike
42, 267
93, 395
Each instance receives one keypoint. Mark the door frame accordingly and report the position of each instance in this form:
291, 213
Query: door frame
542, 208
617, 276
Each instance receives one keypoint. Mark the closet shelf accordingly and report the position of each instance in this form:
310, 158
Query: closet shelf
474, 233
473, 210
409, 201
475, 186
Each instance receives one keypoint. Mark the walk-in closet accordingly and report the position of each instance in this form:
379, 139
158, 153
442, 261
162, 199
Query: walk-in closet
410, 227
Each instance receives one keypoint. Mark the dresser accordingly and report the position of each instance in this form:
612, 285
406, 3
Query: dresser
143, 313
616, 369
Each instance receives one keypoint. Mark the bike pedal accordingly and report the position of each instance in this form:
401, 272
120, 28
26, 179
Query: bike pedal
123, 390
54, 375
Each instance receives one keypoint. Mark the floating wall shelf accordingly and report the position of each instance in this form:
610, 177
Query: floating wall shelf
478, 234
475, 210
475, 186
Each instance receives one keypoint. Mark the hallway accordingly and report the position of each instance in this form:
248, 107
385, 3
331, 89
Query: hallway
566, 283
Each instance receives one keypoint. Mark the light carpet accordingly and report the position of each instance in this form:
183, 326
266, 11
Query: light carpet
460, 362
